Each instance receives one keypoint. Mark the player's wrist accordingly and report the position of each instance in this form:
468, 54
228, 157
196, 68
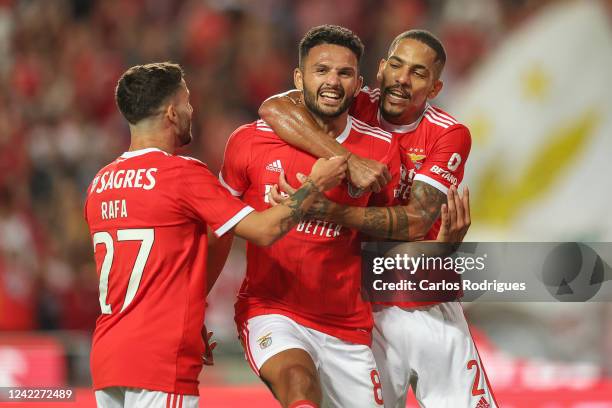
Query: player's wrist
355, 167
314, 184
352, 162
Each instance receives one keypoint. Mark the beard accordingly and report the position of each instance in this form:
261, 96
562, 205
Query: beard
311, 101
393, 111
185, 135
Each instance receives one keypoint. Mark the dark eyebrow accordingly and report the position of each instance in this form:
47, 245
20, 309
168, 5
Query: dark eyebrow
344, 69
322, 65
414, 66
418, 66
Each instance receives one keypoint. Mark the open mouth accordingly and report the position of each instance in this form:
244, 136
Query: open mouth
397, 94
331, 97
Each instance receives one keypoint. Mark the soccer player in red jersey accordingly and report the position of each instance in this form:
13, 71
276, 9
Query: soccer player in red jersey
305, 329
149, 212
412, 345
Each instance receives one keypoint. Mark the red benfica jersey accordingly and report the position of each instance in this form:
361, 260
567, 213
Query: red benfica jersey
148, 213
433, 150
313, 274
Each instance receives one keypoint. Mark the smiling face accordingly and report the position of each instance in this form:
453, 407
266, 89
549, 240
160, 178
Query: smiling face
408, 78
329, 79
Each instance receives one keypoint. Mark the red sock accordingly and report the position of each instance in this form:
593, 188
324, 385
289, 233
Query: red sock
303, 404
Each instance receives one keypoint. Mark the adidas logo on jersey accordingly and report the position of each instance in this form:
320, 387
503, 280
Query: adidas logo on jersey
275, 166
483, 403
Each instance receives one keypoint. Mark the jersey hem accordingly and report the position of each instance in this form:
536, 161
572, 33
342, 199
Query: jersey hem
184, 390
362, 338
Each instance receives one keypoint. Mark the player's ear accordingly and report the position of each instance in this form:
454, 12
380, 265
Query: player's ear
171, 113
381, 68
437, 87
298, 79
359, 86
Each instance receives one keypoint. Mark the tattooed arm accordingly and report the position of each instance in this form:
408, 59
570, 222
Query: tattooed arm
405, 223
263, 228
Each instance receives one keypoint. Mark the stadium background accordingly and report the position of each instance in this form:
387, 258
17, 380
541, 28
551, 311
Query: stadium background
530, 78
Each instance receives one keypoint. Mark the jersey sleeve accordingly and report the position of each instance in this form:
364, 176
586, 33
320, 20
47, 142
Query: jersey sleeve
233, 175
389, 195
206, 199
445, 162
365, 105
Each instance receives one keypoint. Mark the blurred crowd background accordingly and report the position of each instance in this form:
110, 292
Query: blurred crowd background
59, 63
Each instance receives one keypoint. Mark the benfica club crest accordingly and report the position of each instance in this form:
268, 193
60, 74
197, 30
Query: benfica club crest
265, 341
417, 159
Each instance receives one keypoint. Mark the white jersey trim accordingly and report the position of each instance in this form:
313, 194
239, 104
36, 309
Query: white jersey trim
431, 182
371, 130
431, 119
191, 158
373, 94
140, 152
233, 192
231, 223
444, 115
370, 91
263, 126
431, 112
341, 138
391, 127
283, 93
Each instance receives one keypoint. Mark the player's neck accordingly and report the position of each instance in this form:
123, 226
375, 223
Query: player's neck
145, 136
332, 126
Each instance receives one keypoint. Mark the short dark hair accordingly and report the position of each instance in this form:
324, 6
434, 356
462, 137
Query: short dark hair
143, 88
330, 34
424, 37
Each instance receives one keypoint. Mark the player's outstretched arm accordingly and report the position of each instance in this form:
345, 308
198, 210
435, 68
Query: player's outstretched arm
425, 202
292, 122
403, 223
263, 228
456, 221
